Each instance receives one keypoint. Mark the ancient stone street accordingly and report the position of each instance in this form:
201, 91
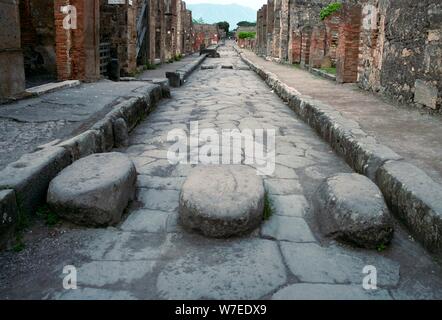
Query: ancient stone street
149, 255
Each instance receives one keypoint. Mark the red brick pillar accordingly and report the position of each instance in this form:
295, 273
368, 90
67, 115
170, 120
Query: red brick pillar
306, 34
63, 43
332, 37
348, 47
77, 49
296, 47
317, 46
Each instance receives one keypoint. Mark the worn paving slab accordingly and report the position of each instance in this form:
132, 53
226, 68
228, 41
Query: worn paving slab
150, 256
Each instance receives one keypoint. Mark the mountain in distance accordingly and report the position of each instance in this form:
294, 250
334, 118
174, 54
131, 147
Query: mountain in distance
213, 13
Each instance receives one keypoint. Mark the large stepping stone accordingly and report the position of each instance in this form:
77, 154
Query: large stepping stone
222, 201
350, 207
94, 191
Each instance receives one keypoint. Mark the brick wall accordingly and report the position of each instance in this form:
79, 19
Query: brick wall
347, 52
332, 37
317, 46
205, 34
296, 46
12, 77
38, 36
306, 34
276, 29
390, 46
171, 25
77, 49
270, 26
188, 31
401, 50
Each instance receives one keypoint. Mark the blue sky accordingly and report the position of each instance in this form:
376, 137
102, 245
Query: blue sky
254, 4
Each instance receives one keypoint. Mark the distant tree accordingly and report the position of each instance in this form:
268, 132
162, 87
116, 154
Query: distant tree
198, 21
224, 25
246, 24
247, 35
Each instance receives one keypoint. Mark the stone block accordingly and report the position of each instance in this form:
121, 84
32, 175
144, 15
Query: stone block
415, 199
351, 208
426, 94
8, 216
82, 145
12, 75
121, 133
174, 79
94, 191
30, 176
236, 210
106, 132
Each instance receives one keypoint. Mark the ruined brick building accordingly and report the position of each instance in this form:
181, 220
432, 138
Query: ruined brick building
206, 35
249, 43
36, 46
391, 46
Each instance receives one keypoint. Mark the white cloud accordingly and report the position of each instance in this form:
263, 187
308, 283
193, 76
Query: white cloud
255, 4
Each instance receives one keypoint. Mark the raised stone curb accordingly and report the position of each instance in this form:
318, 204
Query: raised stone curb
51, 87
368, 157
30, 176
415, 199
323, 74
177, 78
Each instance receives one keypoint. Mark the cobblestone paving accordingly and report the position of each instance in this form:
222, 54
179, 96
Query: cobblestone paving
149, 256
19, 137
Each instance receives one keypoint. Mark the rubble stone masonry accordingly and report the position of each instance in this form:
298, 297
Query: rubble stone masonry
393, 47
12, 77
137, 32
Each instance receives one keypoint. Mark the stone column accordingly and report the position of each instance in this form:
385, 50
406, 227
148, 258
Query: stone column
179, 29
258, 30
12, 75
131, 39
277, 29
284, 30
264, 31
270, 26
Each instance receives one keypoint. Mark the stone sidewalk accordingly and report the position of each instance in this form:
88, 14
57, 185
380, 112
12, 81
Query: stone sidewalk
28, 123
415, 136
149, 256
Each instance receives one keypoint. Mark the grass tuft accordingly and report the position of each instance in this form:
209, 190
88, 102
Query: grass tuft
268, 207
50, 217
331, 70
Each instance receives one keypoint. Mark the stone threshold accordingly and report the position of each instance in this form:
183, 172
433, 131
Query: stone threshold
51, 87
322, 74
179, 77
24, 183
413, 197
315, 71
